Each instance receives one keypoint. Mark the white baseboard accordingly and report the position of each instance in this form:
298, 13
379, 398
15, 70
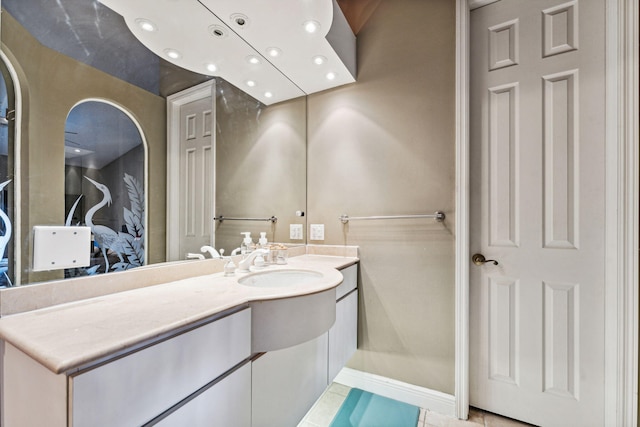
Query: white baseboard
422, 397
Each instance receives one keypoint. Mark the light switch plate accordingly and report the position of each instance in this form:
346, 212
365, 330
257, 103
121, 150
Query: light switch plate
316, 232
295, 232
57, 247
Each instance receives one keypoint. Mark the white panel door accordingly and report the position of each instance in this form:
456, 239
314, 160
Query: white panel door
196, 175
537, 207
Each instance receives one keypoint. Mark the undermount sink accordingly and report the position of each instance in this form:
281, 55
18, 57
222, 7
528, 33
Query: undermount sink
280, 278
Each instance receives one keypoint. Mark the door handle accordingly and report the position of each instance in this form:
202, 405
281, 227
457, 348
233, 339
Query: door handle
479, 259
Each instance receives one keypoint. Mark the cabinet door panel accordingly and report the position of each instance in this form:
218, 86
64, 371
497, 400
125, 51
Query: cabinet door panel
287, 382
350, 281
136, 388
343, 335
227, 403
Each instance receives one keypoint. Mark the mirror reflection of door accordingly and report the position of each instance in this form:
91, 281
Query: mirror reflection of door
104, 185
7, 102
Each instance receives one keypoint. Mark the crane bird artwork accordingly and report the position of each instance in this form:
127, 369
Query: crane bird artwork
107, 238
4, 239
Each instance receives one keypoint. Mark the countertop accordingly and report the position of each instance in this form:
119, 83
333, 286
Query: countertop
68, 336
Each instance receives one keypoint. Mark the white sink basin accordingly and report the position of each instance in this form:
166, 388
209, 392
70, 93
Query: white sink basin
280, 278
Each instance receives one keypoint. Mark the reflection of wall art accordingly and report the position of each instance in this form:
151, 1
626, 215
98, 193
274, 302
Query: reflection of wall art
4, 241
127, 245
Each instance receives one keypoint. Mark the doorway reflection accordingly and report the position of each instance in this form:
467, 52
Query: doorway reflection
104, 185
6, 174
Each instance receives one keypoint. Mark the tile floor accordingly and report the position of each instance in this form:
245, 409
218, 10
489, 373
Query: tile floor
323, 411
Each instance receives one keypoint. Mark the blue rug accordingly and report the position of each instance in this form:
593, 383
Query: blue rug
364, 409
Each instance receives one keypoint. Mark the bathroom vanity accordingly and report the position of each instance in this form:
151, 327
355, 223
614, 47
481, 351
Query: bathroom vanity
197, 351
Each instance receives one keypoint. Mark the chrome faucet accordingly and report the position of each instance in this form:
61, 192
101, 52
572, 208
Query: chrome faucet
243, 266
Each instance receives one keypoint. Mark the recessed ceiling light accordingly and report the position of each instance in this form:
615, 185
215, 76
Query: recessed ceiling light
77, 150
250, 83
268, 95
252, 59
172, 53
311, 26
146, 25
331, 75
240, 20
211, 67
217, 31
319, 59
273, 52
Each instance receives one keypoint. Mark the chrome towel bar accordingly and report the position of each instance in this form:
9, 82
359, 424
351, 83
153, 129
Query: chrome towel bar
221, 218
438, 216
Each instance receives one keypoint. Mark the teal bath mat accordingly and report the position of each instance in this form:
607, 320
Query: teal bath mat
364, 409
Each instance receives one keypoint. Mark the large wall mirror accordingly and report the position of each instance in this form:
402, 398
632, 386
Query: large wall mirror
261, 168
68, 51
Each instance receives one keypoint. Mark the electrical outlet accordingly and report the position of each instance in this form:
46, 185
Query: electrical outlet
316, 232
295, 231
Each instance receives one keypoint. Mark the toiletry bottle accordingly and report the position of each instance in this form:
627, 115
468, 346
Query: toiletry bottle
262, 241
247, 243
229, 267
264, 244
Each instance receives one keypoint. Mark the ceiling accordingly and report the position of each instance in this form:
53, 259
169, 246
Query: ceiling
92, 33
304, 47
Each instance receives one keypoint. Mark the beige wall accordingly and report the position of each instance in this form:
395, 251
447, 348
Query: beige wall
51, 85
385, 146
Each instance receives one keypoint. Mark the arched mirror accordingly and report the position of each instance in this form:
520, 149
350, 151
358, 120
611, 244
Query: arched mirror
105, 172
7, 101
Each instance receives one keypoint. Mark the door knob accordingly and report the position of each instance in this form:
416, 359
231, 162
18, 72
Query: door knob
479, 259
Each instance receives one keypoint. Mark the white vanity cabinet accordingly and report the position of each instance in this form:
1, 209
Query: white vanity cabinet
137, 387
287, 382
236, 367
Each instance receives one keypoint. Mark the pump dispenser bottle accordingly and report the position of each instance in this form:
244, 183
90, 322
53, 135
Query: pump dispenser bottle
247, 243
262, 242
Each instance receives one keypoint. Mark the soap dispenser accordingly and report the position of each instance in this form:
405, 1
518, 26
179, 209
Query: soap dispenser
262, 242
247, 243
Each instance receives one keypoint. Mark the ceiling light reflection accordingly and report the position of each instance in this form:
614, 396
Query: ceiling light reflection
319, 59
311, 26
146, 25
172, 53
273, 52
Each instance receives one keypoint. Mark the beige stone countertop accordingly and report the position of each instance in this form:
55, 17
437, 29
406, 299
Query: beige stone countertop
72, 335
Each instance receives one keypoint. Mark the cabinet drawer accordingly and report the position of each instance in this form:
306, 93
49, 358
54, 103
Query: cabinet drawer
350, 281
134, 389
227, 403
